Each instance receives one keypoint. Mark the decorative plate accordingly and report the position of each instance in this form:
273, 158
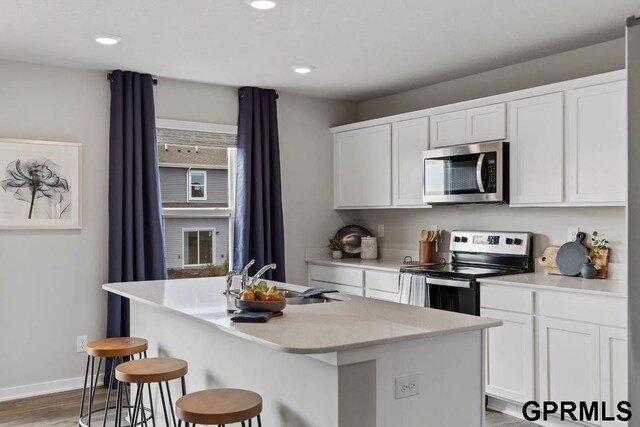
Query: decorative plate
351, 236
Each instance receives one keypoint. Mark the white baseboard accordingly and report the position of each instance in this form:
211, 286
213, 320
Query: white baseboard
39, 389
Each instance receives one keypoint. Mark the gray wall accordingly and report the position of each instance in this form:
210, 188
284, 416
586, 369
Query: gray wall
173, 237
50, 286
173, 186
633, 69
595, 59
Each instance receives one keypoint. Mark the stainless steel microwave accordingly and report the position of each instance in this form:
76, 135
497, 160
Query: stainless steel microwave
472, 173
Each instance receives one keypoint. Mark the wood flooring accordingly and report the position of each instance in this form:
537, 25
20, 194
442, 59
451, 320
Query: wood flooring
61, 409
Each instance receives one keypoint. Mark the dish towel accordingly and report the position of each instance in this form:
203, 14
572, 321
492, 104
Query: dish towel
413, 290
242, 316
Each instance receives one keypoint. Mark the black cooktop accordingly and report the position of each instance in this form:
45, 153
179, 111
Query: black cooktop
460, 271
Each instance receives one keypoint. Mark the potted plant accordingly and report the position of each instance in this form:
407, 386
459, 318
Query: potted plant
336, 246
598, 246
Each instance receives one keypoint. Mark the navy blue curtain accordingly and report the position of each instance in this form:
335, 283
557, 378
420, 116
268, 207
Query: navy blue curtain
136, 249
258, 225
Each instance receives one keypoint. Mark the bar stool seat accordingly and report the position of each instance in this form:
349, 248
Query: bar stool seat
151, 370
219, 406
116, 347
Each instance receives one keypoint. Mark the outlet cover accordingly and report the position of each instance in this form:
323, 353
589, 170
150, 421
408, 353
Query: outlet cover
407, 386
572, 232
81, 343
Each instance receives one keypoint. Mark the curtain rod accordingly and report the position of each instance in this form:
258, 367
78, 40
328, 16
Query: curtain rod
241, 93
110, 78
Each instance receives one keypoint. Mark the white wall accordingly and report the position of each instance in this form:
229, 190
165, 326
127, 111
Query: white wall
595, 59
50, 280
402, 227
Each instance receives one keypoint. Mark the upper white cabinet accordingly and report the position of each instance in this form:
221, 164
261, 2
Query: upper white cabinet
362, 167
448, 129
537, 138
597, 144
486, 123
467, 126
410, 139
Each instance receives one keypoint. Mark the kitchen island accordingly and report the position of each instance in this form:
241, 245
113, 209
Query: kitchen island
320, 365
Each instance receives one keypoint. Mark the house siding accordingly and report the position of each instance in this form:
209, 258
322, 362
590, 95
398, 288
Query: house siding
173, 237
173, 186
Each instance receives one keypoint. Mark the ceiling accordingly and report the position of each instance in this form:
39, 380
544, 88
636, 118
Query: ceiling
361, 48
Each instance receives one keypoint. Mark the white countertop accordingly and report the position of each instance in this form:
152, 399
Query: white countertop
353, 322
371, 264
609, 287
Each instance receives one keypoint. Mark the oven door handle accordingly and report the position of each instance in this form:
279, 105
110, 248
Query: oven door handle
445, 282
479, 172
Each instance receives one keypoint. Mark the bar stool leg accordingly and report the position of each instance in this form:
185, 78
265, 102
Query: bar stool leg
259, 421
118, 420
84, 391
173, 415
114, 362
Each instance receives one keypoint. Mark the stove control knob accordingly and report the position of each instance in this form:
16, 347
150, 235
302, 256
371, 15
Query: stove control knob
464, 239
509, 241
517, 241
456, 239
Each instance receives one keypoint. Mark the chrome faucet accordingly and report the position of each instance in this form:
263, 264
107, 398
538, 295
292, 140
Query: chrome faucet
230, 275
260, 272
245, 274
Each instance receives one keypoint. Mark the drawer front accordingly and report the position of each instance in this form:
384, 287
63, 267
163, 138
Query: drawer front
583, 308
382, 281
506, 298
351, 290
340, 275
386, 296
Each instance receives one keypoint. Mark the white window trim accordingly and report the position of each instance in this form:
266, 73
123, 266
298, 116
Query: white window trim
214, 255
190, 172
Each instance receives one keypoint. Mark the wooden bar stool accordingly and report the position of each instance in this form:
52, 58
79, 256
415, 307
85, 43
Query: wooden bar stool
118, 349
219, 407
145, 372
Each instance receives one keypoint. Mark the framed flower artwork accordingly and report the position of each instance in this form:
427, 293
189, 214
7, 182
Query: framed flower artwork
40, 184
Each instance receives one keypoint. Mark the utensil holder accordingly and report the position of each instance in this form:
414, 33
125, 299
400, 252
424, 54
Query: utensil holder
427, 252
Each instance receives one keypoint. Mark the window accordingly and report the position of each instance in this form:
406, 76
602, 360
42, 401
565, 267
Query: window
199, 247
197, 185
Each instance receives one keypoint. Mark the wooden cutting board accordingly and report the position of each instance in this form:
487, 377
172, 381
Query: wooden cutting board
548, 260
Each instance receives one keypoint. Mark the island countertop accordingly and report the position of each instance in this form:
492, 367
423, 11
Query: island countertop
350, 323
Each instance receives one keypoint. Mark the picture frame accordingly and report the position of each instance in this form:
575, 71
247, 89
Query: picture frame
40, 184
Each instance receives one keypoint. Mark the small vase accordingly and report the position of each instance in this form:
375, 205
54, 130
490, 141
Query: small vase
336, 254
589, 271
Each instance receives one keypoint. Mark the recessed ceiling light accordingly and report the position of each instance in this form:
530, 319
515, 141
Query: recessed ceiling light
107, 39
303, 69
262, 4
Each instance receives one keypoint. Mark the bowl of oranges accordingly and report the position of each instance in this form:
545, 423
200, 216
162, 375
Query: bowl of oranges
261, 298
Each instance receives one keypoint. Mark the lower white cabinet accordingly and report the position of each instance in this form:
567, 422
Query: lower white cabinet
569, 360
377, 284
510, 356
613, 369
555, 346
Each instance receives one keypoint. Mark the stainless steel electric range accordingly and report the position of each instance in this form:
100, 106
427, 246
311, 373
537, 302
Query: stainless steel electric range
474, 254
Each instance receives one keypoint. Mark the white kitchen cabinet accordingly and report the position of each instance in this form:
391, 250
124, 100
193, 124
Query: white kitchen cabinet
486, 123
597, 144
410, 139
569, 360
536, 150
385, 296
510, 356
362, 167
448, 129
613, 370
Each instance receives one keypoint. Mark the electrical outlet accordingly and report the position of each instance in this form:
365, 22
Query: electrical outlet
572, 232
407, 386
380, 230
81, 343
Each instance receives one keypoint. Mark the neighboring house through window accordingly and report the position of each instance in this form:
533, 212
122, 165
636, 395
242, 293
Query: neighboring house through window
197, 186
